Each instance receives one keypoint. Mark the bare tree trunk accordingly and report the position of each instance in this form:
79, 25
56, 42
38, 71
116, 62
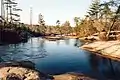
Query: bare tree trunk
7, 13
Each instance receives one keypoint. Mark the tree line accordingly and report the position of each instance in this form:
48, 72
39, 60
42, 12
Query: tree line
101, 16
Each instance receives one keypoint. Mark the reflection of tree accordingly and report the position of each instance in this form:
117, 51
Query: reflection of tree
112, 69
67, 42
41, 53
38, 52
42, 43
108, 69
58, 42
1, 60
26, 52
94, 62
77, 43
116, 67
104, 65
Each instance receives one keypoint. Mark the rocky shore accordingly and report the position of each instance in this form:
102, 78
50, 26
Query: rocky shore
25, 71
108, 49
72, 76
13, 36
53, 38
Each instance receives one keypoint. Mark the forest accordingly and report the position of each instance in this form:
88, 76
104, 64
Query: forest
101, 17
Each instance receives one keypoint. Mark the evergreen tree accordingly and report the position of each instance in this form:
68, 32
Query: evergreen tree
41, 22
58, 27
94, 9
66, 27
77, 27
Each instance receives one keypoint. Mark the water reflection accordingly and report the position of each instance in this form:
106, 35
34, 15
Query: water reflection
106, 67
61, 56
77, 43
67, 42
94, 62
42, 43
1, 60
58, 42
25, 51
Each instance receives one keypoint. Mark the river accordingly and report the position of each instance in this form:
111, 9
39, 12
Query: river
62, 56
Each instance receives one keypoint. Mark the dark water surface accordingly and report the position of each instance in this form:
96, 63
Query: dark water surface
56, 57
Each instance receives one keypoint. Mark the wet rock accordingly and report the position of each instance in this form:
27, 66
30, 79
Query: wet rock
72, 76
22, 71
27, 64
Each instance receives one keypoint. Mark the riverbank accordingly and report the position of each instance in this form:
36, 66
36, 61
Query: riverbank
11, 33
72, 37
13, 36
59, 37
108, 49
53, 38
72, 76
16, 35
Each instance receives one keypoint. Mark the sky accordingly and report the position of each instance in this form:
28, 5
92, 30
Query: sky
53, 10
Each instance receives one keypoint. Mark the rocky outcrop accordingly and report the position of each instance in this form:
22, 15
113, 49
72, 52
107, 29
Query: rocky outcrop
72, 76
109, 49
19, 73
25, 70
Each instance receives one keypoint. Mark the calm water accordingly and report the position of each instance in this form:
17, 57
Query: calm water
56, 57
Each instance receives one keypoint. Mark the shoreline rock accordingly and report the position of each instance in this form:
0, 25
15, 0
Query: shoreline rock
23, 70
19, 71
72, 76
22, 73
108, 49
53, 38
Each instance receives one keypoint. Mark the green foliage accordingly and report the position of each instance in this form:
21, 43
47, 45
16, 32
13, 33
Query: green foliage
66, 28
77, 24
42, 26
86, 28
94, 9
58, 27
100, 17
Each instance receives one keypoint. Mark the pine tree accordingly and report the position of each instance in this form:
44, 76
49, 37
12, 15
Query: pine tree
58, 27
41, 22
94, 9
77, 22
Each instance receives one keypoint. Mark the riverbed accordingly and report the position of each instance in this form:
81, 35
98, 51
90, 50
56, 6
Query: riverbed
61, 56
